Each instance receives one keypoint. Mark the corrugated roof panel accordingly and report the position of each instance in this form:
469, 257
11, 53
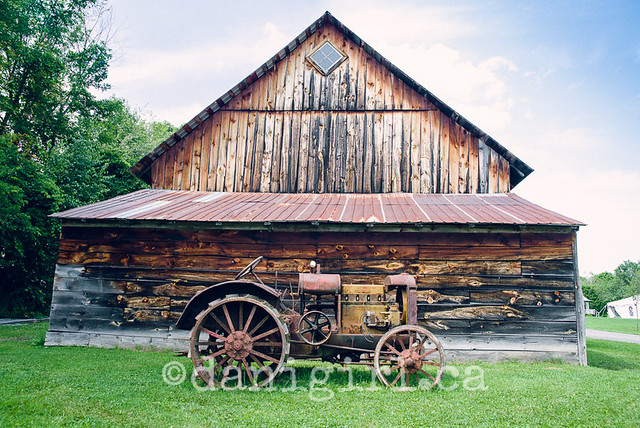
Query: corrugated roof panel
452, 214
337, 208
115, 205
176, 211
209, 197
464, 199
534, 214
175, 200
141, 209
303, 214
300, 204
525, 215
351, 208
196, 211
248, 206
180, 205
409, 210
326, 208
377, 213
314, 211
433, 199
497, 198
490, 213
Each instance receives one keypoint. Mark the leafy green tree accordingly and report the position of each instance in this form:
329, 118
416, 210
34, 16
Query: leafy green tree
591, 292
60, 146
94, 166
88, 168
27, 236
626, 274
52, 54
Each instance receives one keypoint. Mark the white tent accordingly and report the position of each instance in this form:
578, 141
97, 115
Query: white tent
624, 308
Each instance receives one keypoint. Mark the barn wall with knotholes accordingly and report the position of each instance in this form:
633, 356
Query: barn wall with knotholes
359, 129
493, 293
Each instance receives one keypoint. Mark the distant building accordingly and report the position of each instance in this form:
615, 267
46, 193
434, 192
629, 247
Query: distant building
587, 308
624, 308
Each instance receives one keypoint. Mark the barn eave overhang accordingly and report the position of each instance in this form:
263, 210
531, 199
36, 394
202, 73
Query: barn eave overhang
323, 226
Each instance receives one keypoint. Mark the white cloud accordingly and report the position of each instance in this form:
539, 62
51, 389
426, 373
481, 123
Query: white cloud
540, 74
181, 112
551, 147
575, 177
570, 139
158, 67
478, 91
178, 82
404, 22
604, 199
272, 32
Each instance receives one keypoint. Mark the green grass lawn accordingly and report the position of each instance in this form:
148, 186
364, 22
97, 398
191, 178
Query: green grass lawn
114, 387
617, 325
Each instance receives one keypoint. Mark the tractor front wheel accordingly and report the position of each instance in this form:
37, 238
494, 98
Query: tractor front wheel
409, 357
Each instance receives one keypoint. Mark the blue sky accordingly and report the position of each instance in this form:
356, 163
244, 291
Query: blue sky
556, 82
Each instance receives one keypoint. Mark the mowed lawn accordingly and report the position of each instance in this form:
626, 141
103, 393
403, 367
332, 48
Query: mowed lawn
617, 325
116, 387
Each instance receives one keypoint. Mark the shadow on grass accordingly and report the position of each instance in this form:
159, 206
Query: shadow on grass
605, 361
610, 355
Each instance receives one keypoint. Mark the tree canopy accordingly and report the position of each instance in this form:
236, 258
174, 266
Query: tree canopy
60, 146
53, 53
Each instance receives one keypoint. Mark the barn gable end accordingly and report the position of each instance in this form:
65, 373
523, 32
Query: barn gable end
365, 127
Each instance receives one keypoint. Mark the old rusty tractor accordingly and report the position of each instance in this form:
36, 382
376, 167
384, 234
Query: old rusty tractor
249, 330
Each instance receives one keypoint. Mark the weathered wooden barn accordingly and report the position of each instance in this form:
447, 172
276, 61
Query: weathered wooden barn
327, 152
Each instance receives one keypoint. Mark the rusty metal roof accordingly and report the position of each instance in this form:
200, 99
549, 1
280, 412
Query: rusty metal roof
386, 208
519, 169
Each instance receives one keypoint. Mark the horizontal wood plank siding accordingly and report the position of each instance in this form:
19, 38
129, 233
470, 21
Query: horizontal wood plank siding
472, 287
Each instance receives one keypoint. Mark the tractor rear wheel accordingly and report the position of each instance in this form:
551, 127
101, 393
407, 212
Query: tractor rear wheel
239, 342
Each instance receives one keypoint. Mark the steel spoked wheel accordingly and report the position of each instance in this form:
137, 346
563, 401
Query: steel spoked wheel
409, 357
315, 327
238, 342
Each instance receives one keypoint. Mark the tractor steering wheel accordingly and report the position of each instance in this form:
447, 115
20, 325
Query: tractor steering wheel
249, 268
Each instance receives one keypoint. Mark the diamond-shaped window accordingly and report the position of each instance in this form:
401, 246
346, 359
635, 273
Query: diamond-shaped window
326, 58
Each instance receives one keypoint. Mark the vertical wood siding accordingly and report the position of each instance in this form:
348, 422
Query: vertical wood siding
359, 129
331, 152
